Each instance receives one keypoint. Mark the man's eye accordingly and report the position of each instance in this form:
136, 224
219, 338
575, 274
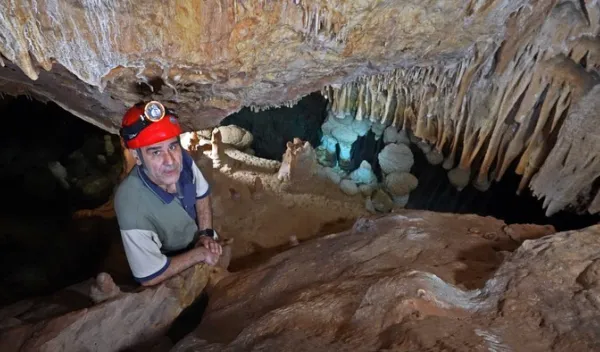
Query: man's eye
173, 147
156, 152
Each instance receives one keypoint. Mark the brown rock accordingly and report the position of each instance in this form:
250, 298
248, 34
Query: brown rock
400, 183
393, 283
381, 201
128, 320
104, 288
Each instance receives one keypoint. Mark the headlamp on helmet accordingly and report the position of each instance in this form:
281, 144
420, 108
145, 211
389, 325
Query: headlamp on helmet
145, 124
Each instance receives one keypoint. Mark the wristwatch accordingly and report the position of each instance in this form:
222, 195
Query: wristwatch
212, 233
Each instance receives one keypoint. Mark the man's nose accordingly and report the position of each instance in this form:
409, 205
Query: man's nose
169, 158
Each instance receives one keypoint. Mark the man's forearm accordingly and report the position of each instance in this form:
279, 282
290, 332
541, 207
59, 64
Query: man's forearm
178, 264
204, 212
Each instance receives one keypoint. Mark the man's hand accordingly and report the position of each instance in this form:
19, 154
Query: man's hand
207, 256
210, 244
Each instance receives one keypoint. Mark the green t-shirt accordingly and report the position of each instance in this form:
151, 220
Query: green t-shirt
153, 222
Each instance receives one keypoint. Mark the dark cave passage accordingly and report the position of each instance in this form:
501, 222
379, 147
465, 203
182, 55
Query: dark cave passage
273, 128
367, 148
52, 164
436, 193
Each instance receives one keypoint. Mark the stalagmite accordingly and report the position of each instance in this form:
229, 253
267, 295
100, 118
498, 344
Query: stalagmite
364, 174
395, 158
217, 153
400, 183
257, 190
104, 288
299, 163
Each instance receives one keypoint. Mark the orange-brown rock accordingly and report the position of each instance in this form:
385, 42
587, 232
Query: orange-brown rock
414, 281
70, 321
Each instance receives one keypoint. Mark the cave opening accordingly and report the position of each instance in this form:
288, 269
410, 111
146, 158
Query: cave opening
273, 128
53, 164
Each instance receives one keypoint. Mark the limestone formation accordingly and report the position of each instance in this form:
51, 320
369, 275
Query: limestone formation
395, 158
571, 173
331, 174
327, 151
393, 135
367, 189
364, 175
502, 104
414, 281
345, 135
349, 187
232, 135
400, 201
434, 157
191, 141
400, 183
217, 154
381, 201
299, 162
60, 173
110, 54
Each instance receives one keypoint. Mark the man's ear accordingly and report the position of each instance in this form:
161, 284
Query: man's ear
137, 156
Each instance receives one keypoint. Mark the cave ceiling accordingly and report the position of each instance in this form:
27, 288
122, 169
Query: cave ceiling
489, 84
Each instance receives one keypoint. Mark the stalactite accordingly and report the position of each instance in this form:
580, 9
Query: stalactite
496, 106
501, 120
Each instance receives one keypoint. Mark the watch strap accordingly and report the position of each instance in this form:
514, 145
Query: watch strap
209, 233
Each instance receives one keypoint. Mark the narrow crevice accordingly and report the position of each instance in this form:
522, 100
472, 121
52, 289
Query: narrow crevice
52, 164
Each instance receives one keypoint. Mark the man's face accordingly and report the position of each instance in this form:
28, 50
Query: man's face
163, 161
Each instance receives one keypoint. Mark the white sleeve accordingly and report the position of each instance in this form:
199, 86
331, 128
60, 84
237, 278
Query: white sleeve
142, 248
202, 187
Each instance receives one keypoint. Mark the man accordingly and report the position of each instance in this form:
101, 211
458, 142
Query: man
163, 205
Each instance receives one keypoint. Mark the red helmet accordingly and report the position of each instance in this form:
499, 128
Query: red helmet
145, 124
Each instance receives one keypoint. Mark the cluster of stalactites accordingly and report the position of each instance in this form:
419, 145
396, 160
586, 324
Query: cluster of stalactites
320, 20
479, 119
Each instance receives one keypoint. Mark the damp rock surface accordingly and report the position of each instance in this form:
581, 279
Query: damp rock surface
414, 280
